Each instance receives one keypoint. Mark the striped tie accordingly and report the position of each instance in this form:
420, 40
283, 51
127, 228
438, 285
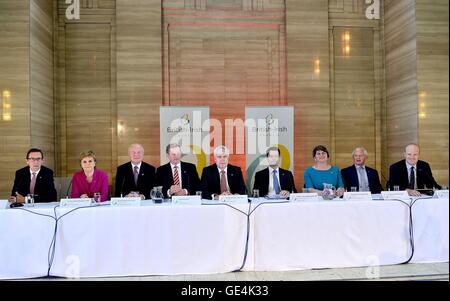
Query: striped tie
176, 177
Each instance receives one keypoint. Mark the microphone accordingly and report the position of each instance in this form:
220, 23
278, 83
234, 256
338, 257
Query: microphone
121, 187
68, 188
187, 180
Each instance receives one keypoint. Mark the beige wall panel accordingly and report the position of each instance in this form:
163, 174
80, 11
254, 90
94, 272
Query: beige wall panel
41, 78
354, 95
139, 77
14, 90
401, 77
88, 94
433, 81
308, 91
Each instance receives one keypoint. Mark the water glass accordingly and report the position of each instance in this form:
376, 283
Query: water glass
255, 193
396, 188
353, 189
29, 201
97, 197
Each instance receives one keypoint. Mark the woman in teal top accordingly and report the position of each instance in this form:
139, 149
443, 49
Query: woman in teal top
315, 176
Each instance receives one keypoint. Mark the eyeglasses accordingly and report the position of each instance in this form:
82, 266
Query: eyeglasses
35, 159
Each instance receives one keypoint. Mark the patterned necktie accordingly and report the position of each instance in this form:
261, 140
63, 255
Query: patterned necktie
411, 178
276, 185
32, 183
363, 185
176, 176
136, 174
223, 182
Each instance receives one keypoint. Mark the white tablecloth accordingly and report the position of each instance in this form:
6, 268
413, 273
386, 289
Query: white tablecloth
169, 239
118, 241
332, 234
24, 243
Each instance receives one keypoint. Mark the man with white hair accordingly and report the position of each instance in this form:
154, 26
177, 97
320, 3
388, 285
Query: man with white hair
359, 175
222, 178
135, 176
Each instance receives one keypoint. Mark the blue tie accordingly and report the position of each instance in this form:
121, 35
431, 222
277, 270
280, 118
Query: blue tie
276, 185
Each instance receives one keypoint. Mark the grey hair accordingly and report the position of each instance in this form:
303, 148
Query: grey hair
136, 144
361, 148
221, 149
172, 145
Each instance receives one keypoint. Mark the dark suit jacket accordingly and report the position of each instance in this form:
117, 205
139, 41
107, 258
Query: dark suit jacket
189, 177
398, 175
125, 180
210, 182
44, 189
350, 177
262, 181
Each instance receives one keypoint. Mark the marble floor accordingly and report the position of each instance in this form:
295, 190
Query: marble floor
407, 272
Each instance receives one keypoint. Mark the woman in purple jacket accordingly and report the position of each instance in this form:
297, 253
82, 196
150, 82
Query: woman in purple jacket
89, 180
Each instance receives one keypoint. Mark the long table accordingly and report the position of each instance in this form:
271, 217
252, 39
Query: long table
339, 234
167, 239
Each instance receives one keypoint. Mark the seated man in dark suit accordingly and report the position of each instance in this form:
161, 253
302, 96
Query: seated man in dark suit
177, 177
222, 178
359, 175
34, 179
135, 176
274, 180
411, 173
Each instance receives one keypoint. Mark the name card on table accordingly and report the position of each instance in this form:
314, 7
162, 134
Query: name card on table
234, 199
442, 194
76, 202
126, 202
4, 204
358, 196
304, 197
187, 199
395, 195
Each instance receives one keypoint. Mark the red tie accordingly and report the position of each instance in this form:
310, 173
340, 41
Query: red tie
176, 177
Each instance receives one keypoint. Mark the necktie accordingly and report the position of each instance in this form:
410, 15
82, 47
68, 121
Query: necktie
363, 185
276, 185
136, 174
176, 176
223, 182
411, 178
32, 183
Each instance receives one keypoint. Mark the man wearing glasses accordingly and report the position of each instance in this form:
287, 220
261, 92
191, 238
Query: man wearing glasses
34, 179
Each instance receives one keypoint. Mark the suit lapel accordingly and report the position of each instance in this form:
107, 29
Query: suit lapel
355, 175
266, 178
405, 173
183, 175
230, 177
282, 179
215, 177
369, 176
169, 174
